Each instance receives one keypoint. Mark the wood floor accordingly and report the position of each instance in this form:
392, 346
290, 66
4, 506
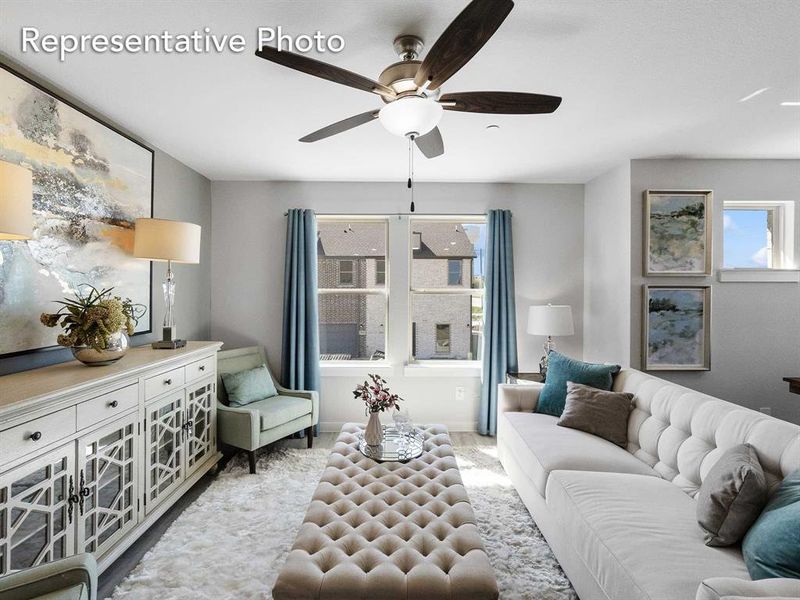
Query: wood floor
114, 574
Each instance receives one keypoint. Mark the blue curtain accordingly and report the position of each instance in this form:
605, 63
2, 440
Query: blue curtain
500, 317
300, 354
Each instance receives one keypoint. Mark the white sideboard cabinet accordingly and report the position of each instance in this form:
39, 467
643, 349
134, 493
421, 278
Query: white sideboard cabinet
90, 457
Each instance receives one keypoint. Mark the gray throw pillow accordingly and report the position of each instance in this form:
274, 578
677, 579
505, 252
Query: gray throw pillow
601, 413
732, 496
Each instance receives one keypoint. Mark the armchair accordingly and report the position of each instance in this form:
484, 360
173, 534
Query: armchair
72, 578
260, 423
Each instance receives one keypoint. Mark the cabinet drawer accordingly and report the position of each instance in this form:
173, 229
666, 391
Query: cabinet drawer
200, 368
171, 380
30, 436
108, 405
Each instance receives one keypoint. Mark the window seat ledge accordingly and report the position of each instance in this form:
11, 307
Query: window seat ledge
759, 275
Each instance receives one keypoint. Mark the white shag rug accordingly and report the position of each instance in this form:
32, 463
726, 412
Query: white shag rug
232, 541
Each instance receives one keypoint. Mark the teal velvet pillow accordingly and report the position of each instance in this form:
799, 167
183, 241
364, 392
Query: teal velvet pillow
560, 370
772, 546
248, 386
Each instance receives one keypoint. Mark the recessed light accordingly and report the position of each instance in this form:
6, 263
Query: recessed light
753, 95
492, 127
791, 103
452, 243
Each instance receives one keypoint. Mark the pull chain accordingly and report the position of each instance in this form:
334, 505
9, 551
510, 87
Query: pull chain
411, 169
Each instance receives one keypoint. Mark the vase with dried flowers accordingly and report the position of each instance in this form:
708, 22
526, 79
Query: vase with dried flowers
377, 398
95, 324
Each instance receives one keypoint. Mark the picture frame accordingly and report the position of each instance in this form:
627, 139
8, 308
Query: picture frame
119, 190
676, 328
678, 233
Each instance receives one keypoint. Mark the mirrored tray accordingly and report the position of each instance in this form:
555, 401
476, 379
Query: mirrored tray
395, 447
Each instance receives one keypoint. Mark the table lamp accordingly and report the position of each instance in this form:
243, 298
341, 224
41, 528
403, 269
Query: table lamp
16, 202
550, 320
171, 241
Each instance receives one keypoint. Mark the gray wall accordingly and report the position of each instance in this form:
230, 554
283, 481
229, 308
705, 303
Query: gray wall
607, 278
179, 193
755, 338
249, 229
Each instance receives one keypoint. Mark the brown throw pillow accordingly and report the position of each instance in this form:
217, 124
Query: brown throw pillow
731, 496
598, 412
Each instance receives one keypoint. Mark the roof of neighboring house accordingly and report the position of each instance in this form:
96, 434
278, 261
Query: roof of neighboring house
368, 239
351, 239
442, 240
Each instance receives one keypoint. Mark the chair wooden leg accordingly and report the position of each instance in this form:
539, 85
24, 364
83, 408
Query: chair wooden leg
252, 455
310, 436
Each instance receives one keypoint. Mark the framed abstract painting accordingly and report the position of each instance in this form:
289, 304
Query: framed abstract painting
677, 232
90, 182
677, 328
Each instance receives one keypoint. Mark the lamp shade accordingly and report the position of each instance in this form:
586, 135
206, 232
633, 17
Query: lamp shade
550, 320
161, 239
410, 115
16, 202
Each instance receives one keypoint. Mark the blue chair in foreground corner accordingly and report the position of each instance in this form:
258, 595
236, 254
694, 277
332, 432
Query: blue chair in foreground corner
72, 578
265, 421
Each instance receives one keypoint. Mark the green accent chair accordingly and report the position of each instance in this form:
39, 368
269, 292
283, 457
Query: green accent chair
265, 421
72, 578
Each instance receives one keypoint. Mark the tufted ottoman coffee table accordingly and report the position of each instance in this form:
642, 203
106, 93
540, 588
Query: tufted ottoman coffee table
388, 530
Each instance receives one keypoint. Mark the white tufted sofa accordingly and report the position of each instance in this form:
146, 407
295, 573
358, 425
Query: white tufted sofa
394, 531
622, 523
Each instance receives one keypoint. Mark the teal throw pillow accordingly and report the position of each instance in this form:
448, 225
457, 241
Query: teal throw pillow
248, 386
560, 370
771, 547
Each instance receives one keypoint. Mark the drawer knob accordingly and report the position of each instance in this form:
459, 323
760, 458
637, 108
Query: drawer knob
113, 404
168, 382
202, 367
36, 436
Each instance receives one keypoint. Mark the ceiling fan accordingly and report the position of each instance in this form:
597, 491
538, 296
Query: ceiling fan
411, 89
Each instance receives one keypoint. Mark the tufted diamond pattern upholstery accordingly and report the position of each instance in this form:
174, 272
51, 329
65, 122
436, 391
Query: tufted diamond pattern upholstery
388, 530
682, 433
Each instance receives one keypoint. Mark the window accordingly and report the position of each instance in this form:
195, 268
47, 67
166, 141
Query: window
454, 271
446, 288
758, 235
352, 310
380, 271
346, 272
442, 338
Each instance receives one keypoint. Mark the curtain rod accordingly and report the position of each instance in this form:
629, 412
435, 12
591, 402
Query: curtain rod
397, 214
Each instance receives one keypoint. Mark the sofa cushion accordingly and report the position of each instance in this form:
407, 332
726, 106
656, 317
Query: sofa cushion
732, 496
560, 370
278, 410
636, 535
248, 386
771, 546
601, 413
538, 441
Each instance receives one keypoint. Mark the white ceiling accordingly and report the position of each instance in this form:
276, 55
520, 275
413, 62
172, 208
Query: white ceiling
640, 78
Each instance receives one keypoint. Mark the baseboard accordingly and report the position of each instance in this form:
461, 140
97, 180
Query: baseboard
459, 426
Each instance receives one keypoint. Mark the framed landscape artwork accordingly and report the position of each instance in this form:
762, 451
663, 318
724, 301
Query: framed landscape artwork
677, 328
677, 231
90, 182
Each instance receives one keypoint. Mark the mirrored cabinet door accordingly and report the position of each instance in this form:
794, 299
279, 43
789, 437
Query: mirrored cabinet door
164, 420
107, 487
36, 511
201, 425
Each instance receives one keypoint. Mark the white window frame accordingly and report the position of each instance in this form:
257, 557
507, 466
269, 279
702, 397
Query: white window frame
415, 364
377, 291
782, 260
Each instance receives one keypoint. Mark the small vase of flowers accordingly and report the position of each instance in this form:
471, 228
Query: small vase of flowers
377, 398
95, 325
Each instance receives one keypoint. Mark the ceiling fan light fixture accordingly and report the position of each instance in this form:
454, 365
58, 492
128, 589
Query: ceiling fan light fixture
411, 115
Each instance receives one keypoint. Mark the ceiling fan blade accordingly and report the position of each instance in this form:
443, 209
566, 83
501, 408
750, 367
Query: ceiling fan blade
500, 103
431, 144
462, 39
324, 70
341, 126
